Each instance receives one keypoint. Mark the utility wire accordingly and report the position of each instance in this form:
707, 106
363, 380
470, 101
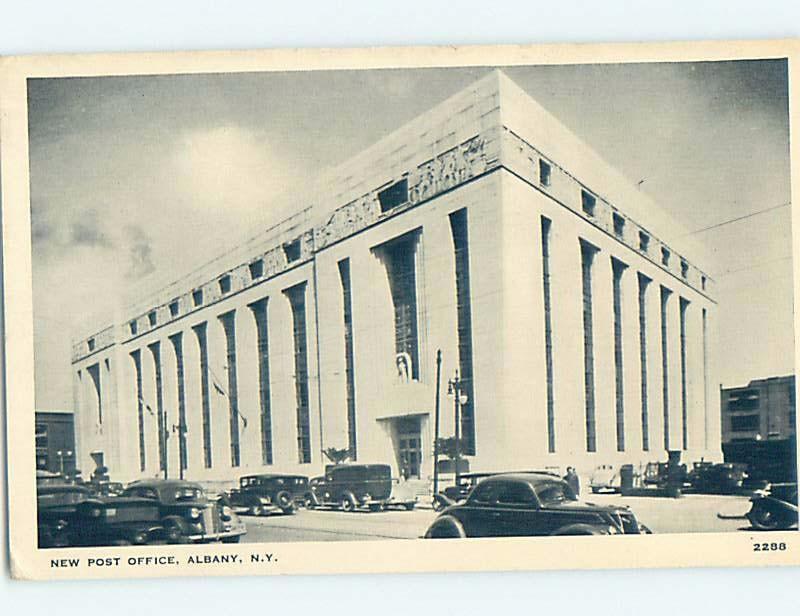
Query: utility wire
738, 218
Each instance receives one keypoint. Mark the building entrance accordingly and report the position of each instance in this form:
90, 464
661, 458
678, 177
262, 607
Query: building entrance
408, 439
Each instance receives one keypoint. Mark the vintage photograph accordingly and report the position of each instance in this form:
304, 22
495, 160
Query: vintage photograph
455, 302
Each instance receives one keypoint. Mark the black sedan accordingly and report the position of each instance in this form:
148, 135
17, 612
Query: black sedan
529, 504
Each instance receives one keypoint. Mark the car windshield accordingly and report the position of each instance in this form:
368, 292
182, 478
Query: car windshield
187, 494
553, 493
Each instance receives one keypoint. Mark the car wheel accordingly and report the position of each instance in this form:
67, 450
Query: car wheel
284, 500
173, 533
255, 509
376, 507
309, 502
763, 518
234, 539
446, 528
410, 506
347, 502
140, 537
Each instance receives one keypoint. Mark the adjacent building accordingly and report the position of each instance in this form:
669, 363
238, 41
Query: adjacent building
759, 427
55, 441
579, 323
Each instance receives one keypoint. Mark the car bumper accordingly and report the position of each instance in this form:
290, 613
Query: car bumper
235, 531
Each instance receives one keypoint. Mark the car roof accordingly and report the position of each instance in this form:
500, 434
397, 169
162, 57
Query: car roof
531, 478
270, 476
164, 483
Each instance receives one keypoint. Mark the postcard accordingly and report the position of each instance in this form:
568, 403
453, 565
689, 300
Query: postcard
400, 309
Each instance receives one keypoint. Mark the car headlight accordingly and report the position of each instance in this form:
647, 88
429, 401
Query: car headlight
226, 512
95, 512
194, 512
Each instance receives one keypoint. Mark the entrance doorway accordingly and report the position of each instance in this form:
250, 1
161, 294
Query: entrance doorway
408, 434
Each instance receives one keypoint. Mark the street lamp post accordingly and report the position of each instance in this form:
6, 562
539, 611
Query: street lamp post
459, 398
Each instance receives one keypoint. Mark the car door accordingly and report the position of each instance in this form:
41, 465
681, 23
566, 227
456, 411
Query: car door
477, 513
516, 511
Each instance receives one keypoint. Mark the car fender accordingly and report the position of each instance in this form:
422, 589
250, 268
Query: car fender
447, 521
579, 529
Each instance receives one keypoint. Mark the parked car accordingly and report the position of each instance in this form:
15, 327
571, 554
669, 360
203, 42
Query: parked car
185, 512
774, 508
56, 507
105, 488
605, 478
530, 504
44, 478
261, 494
708, 478
352, 486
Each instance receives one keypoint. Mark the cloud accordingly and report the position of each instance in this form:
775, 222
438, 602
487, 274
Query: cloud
140, 252
86, 229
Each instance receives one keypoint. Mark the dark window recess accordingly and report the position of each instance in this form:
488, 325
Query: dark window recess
644, 281
292, 250
745, 423
545, 172
665, 293
197, 297
618, 268
297, 300
684, 306
201, 331
155, 349
684, 269
744, 400
619, 225
225, 284
136, 356
703, 282
94, 372
588, 202
174, 308
228, 321
644, 241
259, 309
256, 269
587, 258
459, 229
350, 388
548, 335
665, 254
394, 195
400, 261
152, 318
177, 345
134, 326
90, 343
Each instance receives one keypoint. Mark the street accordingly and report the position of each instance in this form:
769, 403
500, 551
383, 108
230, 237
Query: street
691, 513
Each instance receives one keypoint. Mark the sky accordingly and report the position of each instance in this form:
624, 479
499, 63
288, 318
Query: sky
135, 180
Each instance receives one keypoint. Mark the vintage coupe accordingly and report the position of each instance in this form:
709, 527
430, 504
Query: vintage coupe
262, 494
154, 511
352, 486
529, 504
57, 505
774, 508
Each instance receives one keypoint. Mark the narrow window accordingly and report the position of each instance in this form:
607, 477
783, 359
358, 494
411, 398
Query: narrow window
134, 327
174, 308
155, 350
350, 389
544, 172
705, 378
225, 284
548, 335
684, 269
665, 254
619, 225
256, 269
291, 250
399, 257
197, 297
665, 293
459, 229
152, 318
644, 241
703, 282
684, 305
177, 346
94, 372
136, 356
228, 321
588, 202
394, 195
644, 281
90, 344
297, 300
587, 258
259, 309
201, 332
618, 268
